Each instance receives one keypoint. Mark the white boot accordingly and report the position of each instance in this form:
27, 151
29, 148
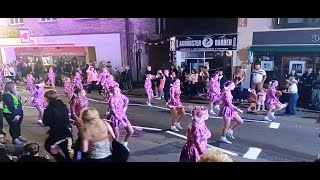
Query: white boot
212, 112
225, 140
230, 134
272, 115
217, 107
178, 126
266, 118
125, 144
174, 128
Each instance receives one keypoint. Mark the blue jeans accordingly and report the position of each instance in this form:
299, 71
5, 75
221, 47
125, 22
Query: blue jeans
291, 108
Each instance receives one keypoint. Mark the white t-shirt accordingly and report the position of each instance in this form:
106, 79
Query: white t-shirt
258, 75
293, 88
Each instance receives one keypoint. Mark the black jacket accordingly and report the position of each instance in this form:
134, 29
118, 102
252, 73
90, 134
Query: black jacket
56, 116
8, 100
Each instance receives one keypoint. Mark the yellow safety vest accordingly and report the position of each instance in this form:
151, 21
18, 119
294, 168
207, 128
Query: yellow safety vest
15, 103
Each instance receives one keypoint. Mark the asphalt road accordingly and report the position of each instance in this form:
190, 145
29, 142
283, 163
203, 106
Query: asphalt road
288, 139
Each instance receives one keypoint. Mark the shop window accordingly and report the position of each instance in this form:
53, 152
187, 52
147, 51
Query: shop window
48, 19
295, 20
16, 21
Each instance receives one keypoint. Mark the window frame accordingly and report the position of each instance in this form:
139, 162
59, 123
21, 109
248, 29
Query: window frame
14, 24
282, 23
48, 21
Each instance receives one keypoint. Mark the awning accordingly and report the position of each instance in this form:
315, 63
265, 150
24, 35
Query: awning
285, 48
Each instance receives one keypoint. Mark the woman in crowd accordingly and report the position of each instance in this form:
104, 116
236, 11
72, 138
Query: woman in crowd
159, 85
197, 136
193, 80
315, 97
77, 81
175, 105
95, 136
92, 79
229, 112
13, 112
214, 93
78, 102
273, 102
56, 116
148, 88
30, 82
52, 77
293, 96
118, 105
238, 79
68, 87
37, 98
167, 84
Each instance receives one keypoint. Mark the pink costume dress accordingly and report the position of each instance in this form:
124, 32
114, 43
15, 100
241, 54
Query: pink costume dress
117, 116
271, 96
30, 83
197, 136
52, 77
38, 98
226, 107
174, 101
148, 88
78, 81
68, 88
108, 83
76, 105
214, 90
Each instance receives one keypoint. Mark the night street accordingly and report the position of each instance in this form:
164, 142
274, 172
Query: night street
287, 139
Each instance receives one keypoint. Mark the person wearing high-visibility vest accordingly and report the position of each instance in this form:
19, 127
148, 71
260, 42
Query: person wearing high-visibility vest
13, 112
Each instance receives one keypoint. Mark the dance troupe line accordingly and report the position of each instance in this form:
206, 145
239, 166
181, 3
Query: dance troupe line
117, 104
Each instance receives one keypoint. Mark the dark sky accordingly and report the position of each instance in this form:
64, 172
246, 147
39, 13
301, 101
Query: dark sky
199, 26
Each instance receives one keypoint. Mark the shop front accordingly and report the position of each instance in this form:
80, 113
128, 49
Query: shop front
278, 52
215, 52
65, 58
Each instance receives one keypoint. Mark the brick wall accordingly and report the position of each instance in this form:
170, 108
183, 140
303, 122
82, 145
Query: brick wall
74, 26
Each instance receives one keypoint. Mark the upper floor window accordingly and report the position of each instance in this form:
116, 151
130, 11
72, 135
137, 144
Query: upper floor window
296, 22
48, 19
14, 21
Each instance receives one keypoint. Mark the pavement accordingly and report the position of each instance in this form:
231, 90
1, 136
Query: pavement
288, 139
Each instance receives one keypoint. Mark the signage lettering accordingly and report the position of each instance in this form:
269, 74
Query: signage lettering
210, 42
190, 43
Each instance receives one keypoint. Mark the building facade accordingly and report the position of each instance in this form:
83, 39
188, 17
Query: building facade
279, 45
76, 39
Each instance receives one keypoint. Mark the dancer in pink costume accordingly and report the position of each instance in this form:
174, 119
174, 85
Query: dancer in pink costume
148, 88
175, 105
118, 106
78, 102
52, 77
273, 102
197, 136
109, 82
77, 81
30, 83
214, 93
37, 98
229, 112
68, 87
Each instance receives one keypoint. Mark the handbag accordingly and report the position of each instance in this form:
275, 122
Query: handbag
119, 152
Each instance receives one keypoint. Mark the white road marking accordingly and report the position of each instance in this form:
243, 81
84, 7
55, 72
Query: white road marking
147, 128
176, 134
252, 153
97, 101
223, 150
29, 107
274, 125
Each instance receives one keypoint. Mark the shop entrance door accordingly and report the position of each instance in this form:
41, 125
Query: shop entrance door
194, 64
